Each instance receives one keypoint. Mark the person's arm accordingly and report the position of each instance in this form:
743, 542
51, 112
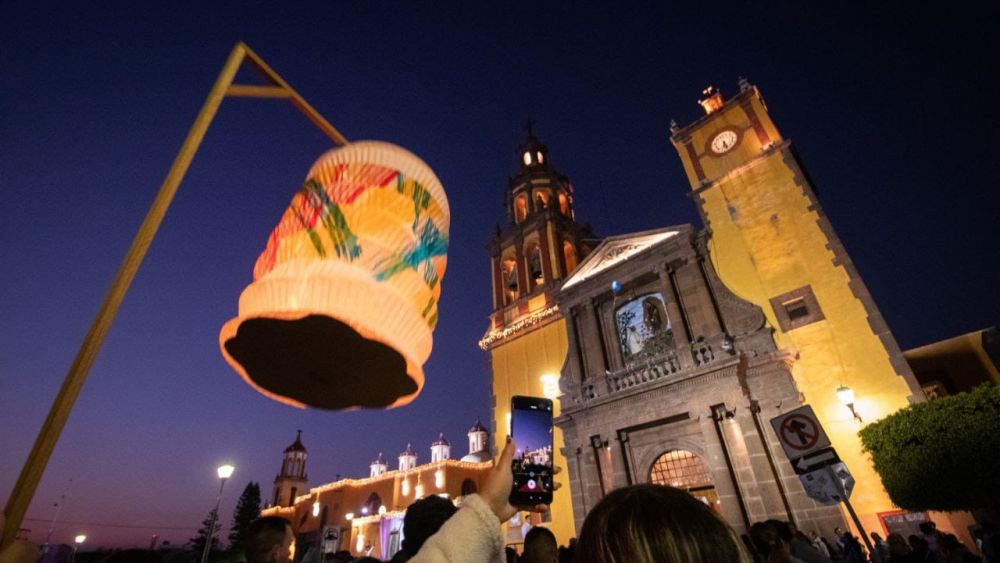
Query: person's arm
471, 535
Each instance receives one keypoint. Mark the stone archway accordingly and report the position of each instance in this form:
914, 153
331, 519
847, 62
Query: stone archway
686, 470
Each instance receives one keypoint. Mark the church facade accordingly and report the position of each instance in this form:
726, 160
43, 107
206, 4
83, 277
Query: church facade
365, 515
673, 348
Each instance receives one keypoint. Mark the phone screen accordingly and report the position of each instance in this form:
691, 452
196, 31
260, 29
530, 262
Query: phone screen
531, 428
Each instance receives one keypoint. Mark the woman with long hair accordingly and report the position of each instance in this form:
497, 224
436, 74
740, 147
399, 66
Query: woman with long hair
656, 524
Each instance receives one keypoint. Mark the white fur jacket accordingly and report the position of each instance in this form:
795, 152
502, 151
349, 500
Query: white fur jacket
471, 535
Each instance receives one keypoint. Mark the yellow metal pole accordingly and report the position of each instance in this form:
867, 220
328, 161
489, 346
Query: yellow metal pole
33, 468
297, 100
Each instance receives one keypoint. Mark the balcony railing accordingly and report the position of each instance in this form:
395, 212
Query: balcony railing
639, 373
634, 375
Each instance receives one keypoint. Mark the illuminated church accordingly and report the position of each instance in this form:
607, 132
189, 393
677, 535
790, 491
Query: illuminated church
365, 516
670, 350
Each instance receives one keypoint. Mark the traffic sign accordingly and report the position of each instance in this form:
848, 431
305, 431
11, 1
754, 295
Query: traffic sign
830, 485
799, 432
815, 460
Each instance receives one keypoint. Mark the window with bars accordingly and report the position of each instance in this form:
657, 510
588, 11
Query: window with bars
681, 469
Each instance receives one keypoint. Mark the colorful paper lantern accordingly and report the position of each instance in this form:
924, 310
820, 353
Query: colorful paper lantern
344, 298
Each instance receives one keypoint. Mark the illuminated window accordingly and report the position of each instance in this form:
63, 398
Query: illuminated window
540, 158
569, 253
685, 470
439, 479
521, 208
563, 205
527, 158
405, 487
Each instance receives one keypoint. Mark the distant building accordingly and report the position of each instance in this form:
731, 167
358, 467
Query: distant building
957, 364
365, 516
293, 478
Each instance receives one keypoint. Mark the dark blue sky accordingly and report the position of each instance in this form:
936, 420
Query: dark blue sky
891, 111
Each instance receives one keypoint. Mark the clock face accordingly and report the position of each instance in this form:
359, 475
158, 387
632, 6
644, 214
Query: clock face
724, 141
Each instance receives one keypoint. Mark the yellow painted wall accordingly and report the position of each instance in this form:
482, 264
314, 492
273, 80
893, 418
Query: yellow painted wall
765, 242
517, 369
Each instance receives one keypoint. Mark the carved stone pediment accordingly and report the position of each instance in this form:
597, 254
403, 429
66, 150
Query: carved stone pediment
615, 250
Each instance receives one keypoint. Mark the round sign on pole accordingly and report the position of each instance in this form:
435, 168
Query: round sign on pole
799, 432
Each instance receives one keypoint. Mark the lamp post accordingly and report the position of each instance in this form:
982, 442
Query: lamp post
846, 396
225, 471
77, 542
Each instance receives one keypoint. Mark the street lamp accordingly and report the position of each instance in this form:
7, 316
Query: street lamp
846, 397
225, 472
77, 542
550, 386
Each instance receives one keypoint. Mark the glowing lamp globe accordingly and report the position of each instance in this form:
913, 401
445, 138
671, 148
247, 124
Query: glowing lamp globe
344, 297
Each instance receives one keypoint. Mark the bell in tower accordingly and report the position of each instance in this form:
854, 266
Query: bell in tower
541, 243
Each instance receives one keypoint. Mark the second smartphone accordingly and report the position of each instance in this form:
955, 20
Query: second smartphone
531, 428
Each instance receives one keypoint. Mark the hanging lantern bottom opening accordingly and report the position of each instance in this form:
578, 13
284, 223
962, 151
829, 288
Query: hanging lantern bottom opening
320, 362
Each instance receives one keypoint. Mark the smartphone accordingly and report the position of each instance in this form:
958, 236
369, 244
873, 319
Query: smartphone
531, 428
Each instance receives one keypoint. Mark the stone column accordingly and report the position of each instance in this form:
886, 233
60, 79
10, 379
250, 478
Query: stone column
574, 372
682, 339
600, 353
522, 268
545, 255
620, 475
498, 284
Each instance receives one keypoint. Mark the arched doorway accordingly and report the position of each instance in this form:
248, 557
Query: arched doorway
685, 470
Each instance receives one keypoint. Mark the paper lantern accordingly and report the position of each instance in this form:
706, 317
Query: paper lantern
344, 297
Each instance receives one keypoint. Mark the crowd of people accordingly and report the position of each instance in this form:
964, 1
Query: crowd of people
636, 524
776, 541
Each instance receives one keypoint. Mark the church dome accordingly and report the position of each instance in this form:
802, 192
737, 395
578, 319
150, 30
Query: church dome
440, 441
408, 451
478, 457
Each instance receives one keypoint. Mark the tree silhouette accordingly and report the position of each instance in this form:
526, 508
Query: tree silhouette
247, 510
198, 542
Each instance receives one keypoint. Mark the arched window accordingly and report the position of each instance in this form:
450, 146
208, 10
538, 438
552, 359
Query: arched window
542, 198
685, 470
508, 267
563, 205
569, 252
520, 208
291, 497
535, 272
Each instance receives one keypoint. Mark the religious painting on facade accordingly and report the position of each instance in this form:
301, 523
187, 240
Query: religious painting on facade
644, 330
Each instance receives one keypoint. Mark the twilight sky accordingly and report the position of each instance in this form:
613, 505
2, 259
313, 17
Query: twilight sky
892, 113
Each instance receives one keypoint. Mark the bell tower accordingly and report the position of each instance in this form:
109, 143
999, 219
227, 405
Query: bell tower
540, 245
542, 241
772, 244
293, 478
